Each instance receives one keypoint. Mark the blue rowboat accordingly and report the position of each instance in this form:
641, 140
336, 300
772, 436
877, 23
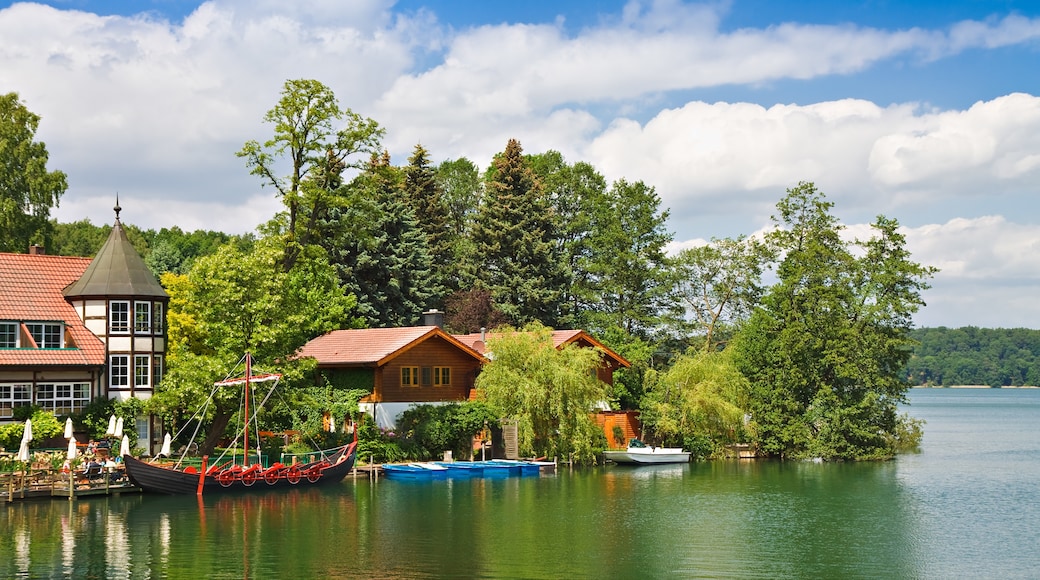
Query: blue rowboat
493, 468
461, 468
524, 467
414, 471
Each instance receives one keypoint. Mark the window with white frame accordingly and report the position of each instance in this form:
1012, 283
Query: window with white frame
119, 316
142, 368
157, 318
63, 398
14, 395
119, 370
142, 317
46, 334
9, 334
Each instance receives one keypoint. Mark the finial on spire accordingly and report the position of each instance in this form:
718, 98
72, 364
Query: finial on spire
117, 208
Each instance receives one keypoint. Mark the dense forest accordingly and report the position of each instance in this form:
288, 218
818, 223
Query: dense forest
998, 357
810, 366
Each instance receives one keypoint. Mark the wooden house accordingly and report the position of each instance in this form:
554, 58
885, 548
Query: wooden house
401, 366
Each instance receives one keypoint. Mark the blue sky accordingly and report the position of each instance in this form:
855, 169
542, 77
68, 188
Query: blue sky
927, 112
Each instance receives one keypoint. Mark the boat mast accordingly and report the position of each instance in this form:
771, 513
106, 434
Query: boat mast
249, 371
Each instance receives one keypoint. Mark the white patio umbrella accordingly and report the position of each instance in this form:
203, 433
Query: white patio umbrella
72, 448
119, 428
68, 428
124, 447
111, 426
23, 449
166, 442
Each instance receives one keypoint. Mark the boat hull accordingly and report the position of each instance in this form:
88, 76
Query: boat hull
414, 471
159, 479
648, 455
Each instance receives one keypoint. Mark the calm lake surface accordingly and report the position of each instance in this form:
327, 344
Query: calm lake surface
967, 506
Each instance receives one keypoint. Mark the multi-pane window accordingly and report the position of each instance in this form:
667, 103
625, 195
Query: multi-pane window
13, 395
157, 318
157, 369
409, 376
45, 334
142, 367
63, 398
119, 370
8, 334
441, 376
119, 317
142, 317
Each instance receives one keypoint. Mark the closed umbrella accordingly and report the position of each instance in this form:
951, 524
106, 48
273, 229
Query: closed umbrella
119, 428
166, 442
111, 426
68, 428
23, 449
124, 447
72, 448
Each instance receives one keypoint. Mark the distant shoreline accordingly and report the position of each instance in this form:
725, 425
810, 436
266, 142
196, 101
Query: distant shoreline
974, 387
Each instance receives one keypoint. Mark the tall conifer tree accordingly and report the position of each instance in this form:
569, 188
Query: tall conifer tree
516, 255
387, 267
426, 198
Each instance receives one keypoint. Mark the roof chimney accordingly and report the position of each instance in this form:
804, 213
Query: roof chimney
433, 318
35, 250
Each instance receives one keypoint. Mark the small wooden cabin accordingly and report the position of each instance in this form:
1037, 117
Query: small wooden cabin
401, 367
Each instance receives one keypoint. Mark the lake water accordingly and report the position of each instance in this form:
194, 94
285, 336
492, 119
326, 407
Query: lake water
965, 507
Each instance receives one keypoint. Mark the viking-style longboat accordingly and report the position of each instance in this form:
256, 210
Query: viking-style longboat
331, 466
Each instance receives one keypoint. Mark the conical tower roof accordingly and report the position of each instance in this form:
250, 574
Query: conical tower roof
117, 270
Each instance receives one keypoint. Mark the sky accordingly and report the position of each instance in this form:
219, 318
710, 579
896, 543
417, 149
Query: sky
925, 112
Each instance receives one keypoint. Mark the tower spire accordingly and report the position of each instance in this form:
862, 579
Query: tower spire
117, 208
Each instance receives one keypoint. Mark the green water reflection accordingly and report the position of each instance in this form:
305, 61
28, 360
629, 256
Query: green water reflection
762, 519
964, 507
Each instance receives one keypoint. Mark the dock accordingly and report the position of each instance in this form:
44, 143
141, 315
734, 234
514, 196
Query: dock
50, 484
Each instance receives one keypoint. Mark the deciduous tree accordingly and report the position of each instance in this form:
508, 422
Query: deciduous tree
233, 302
717, 286
550, 392
825, 351
27, 190
306, 135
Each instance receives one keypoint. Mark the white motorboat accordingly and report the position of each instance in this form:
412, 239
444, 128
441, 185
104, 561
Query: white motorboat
639, 452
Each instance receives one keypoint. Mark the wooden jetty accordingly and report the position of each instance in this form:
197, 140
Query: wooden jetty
51, 483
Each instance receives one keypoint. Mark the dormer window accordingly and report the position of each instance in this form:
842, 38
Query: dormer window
142, 317
8, 335
119, 317
46, 334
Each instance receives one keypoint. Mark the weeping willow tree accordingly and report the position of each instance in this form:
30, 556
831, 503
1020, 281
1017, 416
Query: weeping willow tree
551, 393
698, 403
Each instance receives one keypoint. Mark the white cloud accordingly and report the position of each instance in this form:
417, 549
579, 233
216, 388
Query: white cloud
989, 272
155, 110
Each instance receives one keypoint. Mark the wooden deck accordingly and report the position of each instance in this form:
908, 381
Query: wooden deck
45, 484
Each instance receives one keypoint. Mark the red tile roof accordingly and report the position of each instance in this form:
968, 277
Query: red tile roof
31, 290
560, 338
373, 346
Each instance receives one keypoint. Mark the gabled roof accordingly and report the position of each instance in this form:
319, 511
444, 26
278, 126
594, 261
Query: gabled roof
374, 346
30, 291
560, 339
117, 270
